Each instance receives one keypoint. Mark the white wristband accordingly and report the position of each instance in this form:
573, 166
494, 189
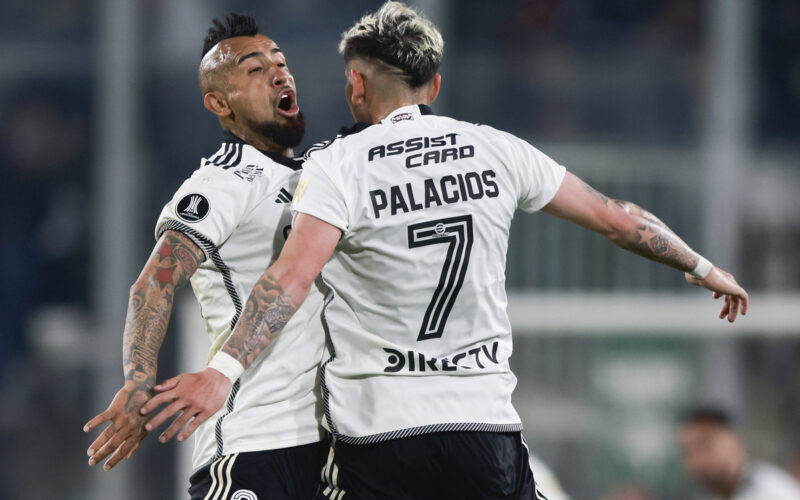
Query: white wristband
226, 365
702, 268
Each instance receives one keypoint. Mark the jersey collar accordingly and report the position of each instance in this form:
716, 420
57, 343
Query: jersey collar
407, 113
228, 136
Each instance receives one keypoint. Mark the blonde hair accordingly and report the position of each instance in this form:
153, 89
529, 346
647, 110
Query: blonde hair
399, 36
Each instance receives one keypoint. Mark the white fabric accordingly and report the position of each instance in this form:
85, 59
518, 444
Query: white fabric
546, 481
226, 365
765, 481
376, 187
701, 270
248, 218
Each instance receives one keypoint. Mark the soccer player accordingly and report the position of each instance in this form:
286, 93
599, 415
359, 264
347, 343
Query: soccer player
224, 225
716, 458
409, 214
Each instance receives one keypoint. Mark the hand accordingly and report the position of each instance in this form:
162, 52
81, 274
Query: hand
723, 283
126, 426
196, 395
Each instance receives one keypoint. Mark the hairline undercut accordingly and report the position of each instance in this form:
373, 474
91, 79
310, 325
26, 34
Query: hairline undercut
400, 37
231, 26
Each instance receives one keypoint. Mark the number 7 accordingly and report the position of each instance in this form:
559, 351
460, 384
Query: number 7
456, 232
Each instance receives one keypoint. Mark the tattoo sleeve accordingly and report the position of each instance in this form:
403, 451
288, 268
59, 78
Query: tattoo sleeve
597, 194
174, 260
267, 311
654, 240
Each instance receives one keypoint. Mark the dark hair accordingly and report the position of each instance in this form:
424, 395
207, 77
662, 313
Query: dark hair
706, 414
233, 25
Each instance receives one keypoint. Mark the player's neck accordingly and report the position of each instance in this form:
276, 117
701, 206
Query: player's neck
257, 140
383, 109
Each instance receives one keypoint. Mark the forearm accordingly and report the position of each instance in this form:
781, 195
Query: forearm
278, 293
648, 236
149, 311
269, 307
173, 261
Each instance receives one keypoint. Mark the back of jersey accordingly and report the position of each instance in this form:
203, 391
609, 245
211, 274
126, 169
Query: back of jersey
417, 318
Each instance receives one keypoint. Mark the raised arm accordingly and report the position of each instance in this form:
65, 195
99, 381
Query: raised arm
274, 299
174, 260
633, 228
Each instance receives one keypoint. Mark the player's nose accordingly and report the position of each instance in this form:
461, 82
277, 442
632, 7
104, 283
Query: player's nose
281, 76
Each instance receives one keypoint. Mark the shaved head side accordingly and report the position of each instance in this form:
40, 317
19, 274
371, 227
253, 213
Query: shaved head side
216, 56
211, 73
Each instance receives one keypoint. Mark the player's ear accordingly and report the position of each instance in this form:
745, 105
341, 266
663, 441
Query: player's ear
437, 84
217, 104
359, 84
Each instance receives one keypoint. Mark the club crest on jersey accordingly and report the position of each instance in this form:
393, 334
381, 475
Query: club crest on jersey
402, 116
192, 208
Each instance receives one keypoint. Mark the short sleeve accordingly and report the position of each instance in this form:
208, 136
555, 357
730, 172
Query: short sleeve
318, 195
207, 207
539, 176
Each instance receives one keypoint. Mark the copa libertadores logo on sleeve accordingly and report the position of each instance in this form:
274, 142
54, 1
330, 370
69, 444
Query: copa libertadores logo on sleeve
192, 208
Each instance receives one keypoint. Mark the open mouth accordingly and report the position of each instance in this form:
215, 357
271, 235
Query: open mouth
287, 104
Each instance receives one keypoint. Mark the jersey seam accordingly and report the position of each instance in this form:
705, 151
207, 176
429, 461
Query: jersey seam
323, 369
429, 429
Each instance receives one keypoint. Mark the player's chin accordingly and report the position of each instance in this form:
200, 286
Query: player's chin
289, 119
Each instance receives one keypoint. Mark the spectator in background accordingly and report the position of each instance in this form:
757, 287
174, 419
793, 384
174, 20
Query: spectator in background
715, 456
44, 196
44, 169
628, 492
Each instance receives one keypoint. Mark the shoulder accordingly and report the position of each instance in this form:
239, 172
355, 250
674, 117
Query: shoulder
477, 131
496, 134
346, 135
228, 155
240, 162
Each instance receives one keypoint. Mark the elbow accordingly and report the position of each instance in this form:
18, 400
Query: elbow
146, 282
139, 286
303, 281
622, 228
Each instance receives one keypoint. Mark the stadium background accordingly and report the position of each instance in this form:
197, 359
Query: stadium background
690, 108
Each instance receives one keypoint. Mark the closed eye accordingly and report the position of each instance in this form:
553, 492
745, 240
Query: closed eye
257, 68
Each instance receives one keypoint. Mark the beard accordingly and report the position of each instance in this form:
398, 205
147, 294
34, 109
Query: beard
287, 134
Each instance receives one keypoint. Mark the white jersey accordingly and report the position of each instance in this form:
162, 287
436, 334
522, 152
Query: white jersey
236, 208
764, 481
417, 315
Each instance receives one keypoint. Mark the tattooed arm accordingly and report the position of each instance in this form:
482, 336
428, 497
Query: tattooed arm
635, 229
173, 261
276, 296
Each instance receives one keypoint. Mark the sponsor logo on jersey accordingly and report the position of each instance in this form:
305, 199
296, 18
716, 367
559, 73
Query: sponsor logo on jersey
244, 495
477, 358
431, 150
401, 117
249, 172
192, 208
